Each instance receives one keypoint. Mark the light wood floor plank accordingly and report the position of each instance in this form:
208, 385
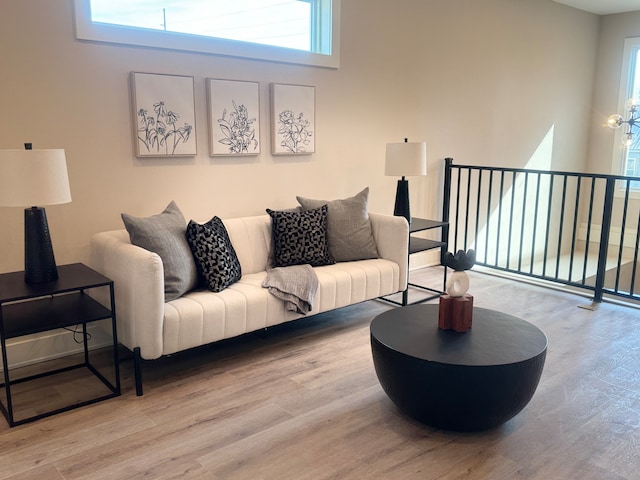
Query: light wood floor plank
302, 401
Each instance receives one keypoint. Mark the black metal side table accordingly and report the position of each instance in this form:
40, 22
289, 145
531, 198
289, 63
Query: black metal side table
417, 245
26, 309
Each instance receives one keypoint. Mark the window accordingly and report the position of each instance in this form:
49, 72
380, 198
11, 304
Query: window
626, 158
293, 31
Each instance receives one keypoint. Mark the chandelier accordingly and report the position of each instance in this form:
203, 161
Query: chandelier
632, 106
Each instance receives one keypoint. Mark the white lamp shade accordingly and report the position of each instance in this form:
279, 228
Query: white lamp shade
33, 177
406, 159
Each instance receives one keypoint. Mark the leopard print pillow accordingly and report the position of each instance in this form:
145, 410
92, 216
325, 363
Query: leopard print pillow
300, 237
215, 257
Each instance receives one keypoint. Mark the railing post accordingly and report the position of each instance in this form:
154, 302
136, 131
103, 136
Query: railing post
446, 204
604, 239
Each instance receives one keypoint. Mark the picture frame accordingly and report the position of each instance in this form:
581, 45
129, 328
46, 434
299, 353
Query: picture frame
164, 117
293, 111
234, 117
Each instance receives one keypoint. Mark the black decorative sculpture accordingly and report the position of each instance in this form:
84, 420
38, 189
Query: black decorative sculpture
461, 261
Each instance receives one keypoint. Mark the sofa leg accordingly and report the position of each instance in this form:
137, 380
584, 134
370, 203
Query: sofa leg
137, 370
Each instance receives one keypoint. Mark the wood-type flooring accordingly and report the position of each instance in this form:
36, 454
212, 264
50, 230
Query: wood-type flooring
302, 401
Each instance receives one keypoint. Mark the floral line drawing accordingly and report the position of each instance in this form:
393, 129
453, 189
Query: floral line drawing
234, 117
237, 129
295, 131
160, 133
293, 119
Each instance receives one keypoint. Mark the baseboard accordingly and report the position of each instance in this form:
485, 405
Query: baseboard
38, 348
614, 234
424, 259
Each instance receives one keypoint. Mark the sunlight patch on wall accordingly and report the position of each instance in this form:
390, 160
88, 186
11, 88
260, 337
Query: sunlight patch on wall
543, 156
512, 224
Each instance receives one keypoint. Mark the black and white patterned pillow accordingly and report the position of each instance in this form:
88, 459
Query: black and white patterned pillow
216, 258
300, 237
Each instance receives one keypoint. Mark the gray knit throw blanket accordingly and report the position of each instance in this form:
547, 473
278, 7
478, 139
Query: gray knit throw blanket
295, 285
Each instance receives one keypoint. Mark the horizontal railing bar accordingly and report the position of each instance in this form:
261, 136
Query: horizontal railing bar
570, 283
548, 172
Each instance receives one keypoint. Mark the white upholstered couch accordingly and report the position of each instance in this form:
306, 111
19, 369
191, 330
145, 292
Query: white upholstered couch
151, 327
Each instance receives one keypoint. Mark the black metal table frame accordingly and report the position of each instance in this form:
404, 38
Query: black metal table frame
74, 296
417, 245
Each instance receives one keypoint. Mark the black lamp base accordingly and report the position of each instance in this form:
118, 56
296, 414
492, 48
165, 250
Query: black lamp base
402, 208
39, 261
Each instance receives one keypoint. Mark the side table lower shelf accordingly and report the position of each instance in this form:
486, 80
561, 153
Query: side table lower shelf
91, 379
404, 296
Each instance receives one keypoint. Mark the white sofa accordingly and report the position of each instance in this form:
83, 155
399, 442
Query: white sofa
151, 327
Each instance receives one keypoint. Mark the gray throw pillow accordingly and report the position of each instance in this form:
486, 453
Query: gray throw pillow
164, 234
348, 227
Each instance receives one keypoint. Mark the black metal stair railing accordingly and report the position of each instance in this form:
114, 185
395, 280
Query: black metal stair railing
575, 229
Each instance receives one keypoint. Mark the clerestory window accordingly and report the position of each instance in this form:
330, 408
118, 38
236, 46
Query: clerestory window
294, 31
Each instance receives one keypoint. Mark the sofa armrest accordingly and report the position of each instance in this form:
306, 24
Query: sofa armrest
391, 234
138, 278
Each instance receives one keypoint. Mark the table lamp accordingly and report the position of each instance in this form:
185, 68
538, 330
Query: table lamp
35, 177
403, 160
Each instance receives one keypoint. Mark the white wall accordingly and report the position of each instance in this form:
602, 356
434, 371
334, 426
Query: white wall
483, 82
614, 30
603, 143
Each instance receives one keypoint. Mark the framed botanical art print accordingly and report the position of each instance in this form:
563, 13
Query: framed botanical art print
234, 117
293, 110
164, 115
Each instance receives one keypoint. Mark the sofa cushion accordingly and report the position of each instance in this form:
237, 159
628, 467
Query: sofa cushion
164, 234
348, 228
300, 237
215, 256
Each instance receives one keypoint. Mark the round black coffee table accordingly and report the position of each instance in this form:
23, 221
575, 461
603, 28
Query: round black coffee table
457, 381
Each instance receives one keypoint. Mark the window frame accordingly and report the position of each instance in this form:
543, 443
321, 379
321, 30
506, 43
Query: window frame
87, 30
